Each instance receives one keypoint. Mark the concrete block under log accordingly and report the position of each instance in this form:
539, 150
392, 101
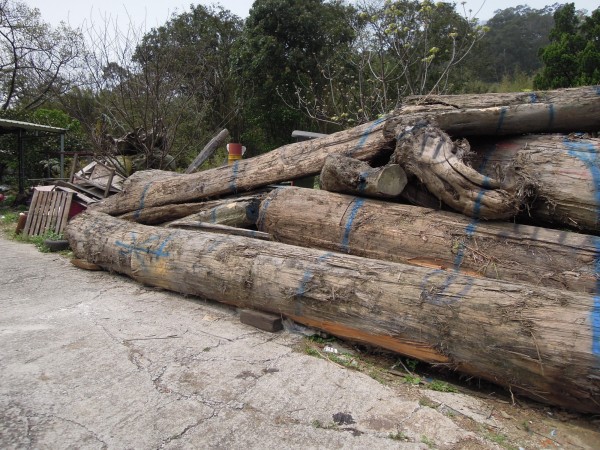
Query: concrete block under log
541, 342
261, 320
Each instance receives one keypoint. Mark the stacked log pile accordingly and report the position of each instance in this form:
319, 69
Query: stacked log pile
493, 273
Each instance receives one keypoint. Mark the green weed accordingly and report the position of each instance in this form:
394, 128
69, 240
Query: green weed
441, 386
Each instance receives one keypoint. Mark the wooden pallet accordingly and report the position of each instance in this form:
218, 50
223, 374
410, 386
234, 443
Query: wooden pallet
49, 211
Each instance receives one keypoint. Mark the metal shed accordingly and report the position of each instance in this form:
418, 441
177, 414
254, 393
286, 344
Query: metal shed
20, 129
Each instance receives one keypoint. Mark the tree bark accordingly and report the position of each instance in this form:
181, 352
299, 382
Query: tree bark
430, 155
285, 163
564, 171
436, 239
364, 142
465, 101
351, 176
237, 212
222, 229
538, 341
208, 150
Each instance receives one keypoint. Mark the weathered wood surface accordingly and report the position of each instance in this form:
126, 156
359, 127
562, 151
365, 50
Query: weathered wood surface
570, 95
234, 212
222, 229
351, 176
437, 161
564, 171
208, 150
285, 163
538, 341
436, 239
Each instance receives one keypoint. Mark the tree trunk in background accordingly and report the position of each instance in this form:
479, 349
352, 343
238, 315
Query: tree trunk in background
537, 341
419, 236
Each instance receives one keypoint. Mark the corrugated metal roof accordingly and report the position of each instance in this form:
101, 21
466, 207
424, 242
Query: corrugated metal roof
7, 126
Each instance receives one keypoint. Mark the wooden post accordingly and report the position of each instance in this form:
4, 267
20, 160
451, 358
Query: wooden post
208, 150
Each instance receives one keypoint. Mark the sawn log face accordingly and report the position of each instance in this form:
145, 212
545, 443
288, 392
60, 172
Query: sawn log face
540, 342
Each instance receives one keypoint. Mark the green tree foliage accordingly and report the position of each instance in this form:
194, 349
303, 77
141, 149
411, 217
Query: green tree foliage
512, 43
279, 58
171, 86
36, 61
41, 156
572, 58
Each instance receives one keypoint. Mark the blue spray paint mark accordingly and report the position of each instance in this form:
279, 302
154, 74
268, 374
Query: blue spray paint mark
365, 135
552, 114
139, 249
420, 124
362, 182
213, 214
261, 214
533, 98
470, 230
303, 286
234, 175
358, 203
138, 211
503, 111
597, 90
586, 153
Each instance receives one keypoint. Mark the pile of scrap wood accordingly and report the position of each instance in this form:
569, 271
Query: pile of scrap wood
483, 277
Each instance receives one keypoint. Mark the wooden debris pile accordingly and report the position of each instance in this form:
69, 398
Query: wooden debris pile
492, 270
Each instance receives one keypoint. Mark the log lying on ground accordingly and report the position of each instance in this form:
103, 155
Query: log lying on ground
285, 163
538, 341
565, 172
430, 155
351, 176
444, 240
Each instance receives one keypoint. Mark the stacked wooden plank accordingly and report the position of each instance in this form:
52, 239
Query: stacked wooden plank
486, 287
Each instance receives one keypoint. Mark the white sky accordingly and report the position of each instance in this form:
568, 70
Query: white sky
153, 13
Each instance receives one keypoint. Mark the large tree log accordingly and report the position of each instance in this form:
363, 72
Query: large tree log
364, 142
285, 163
414, 235
542, 342
437, 162
564, 170
351, 176
466, 101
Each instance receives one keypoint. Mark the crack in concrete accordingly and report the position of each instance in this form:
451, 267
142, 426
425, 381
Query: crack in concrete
74, 422
186, 430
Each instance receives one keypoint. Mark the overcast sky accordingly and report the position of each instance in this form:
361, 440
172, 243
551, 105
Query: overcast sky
156, 12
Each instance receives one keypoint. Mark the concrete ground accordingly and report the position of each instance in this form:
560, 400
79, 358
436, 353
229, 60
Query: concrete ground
95, 360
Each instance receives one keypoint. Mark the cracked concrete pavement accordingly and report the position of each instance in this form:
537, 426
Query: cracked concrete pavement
94, 360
